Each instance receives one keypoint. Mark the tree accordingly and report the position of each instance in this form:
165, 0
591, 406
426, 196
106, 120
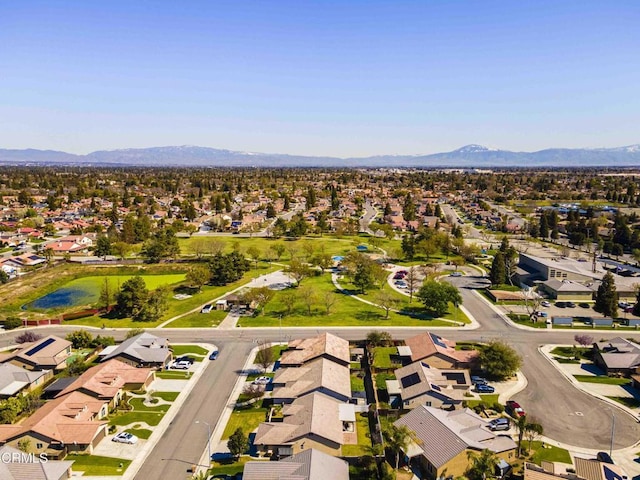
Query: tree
77, 366
408, 246
80, 339
636, 307
264, 357
121, 249
397, 439
379, 338
532, 303
363, 276
386, 300
278, 250
132, 297
103, 246
607, 297
323, 260
261, 295
271, 211
4, 276
227, 268
298, 270
24, 445
413, 280
533, 430
134, 332
198, 275
11, 323
154, 307
238, 442
499, 360
27, 337
521, 427
308, 297
498, 274
254, 254
107, 295
481, 466
288, 299
436, 296
584, 340
329, 299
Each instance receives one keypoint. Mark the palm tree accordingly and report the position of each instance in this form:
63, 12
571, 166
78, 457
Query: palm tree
521, 426
397, 439
532, 431
482, 466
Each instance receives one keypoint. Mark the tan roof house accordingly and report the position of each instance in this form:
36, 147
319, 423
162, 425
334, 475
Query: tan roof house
325, 345
66, 424
310, 464
439, 352
443, 440
420, 384
312, 421
46, 354
320, 375
17, 465
107, 381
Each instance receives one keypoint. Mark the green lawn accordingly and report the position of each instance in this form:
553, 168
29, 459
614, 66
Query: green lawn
140, 432
364, 439
627, 401
138, 406
346, 311
488, 399
602, 379
150, 417
199, 320
550, 453
381, 380
174, 374
382, 357
571, 352
96, 465
357, 383
231, 466
167, 396
247, 418
180, 350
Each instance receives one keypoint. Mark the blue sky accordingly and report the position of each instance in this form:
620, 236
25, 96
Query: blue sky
343, 78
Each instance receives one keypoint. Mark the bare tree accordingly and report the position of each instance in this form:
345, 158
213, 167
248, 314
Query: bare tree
532, 303
386, 300
329, 299
308, 297
413, 281
199, 247
584, 340
215, 246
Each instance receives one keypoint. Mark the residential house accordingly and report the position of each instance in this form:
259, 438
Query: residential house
108, 381
15, 380
310, 464
588, 469
548, 471
444, 439
320, 375
48, 353
617, 356
420, 384
312, 421
439, 352
143, 350
17, 465
67, 424
325, 345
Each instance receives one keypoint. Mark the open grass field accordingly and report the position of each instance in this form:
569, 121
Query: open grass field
199, 320
94, 465
346, 311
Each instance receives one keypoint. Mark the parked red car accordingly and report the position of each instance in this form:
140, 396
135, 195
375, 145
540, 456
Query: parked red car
515, 409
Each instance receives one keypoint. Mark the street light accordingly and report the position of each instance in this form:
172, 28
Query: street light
208, 440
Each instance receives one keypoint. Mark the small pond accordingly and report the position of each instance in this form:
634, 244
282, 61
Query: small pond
63, 297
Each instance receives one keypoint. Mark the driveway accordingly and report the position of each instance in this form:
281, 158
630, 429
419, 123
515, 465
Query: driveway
109, 448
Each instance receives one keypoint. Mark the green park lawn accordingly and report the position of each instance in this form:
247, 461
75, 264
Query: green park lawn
179, 350
246, 418
346, 311
94, 465
199, 320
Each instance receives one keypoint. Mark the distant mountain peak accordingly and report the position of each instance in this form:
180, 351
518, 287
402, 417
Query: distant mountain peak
473, 148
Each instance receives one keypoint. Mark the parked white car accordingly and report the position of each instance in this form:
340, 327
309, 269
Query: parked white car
125, 437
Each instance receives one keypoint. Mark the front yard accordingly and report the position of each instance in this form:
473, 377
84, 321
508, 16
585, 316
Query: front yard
94, 465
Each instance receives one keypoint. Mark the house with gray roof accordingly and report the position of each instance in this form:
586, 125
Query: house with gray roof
419, 384
17, 465
310, 464
14, 380
443, 440
144, 350
617, 356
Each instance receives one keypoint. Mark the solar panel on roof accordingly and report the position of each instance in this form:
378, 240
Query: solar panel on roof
438, 340
410, 380
435, 387
37, 348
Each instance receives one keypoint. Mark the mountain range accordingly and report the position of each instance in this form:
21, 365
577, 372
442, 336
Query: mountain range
470, 156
